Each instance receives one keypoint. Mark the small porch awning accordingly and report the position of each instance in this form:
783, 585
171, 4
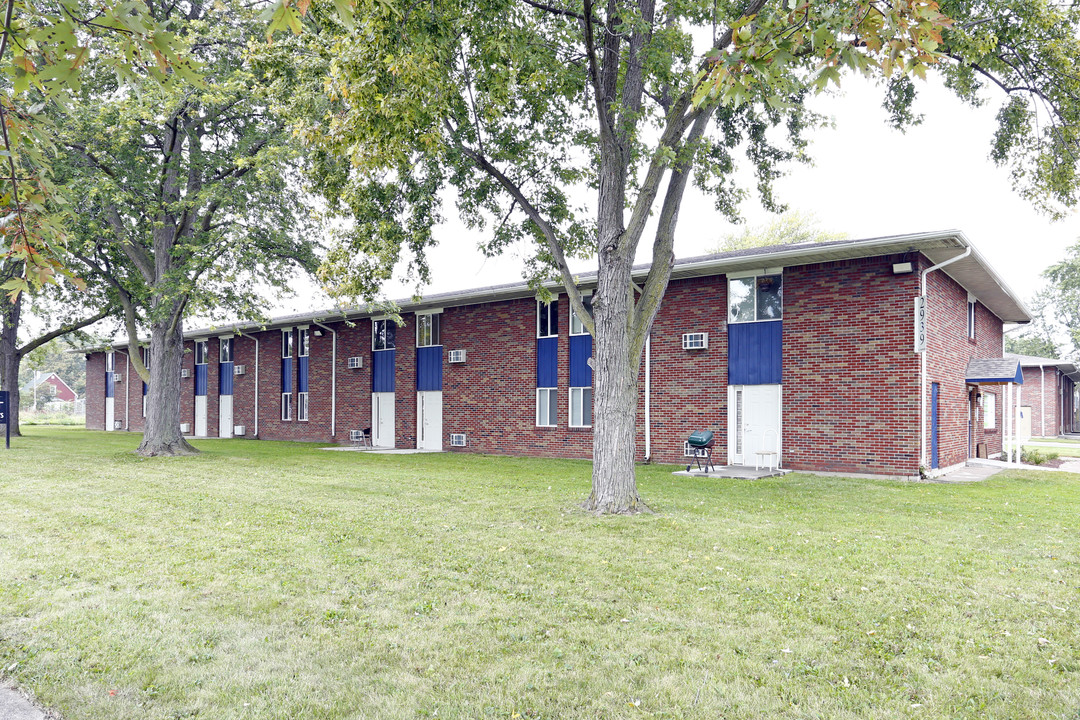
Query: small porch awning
994, 370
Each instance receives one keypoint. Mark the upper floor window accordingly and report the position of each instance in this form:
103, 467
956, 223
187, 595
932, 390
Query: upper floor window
225, 354
547, 318
110, 362
383, 334
427, 330
146, 357
971, 317
303, 339
751, 299
286, 344
200, 352
576, 326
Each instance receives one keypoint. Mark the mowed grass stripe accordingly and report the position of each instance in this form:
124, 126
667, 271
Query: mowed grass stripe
276, 580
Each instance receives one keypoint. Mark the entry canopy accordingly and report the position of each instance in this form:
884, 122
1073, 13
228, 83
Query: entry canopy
994, 370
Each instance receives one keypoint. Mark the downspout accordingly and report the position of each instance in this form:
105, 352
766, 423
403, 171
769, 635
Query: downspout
926, 350
333, 379
244, 334
648, 397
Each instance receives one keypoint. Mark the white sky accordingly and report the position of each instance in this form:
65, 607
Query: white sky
868, 180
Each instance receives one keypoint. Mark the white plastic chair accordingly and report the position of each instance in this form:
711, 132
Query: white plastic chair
765, 456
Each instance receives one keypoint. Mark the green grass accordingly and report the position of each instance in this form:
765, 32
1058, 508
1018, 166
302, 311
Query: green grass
274, 580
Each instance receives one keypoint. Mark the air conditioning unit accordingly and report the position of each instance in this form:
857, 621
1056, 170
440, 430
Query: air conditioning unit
117, 425
239, 369
457, 356
185, 428
117, 377
355, 363
185, 373
695, 341
457, 439
239, 430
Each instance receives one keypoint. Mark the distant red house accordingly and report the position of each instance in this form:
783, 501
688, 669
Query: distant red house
52, 386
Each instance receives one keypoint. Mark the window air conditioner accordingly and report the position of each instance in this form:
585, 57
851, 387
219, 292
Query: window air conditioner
355, 363
695, 341
239, 369
185, 373
457, 356
457, 439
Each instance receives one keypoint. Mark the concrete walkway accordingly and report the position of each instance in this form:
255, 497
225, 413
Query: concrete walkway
973, 472
13, 706
377, 451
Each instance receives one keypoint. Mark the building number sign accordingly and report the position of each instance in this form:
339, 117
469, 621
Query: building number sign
920, 324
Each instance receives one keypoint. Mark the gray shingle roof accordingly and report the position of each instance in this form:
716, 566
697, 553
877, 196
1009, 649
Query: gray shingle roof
993, 370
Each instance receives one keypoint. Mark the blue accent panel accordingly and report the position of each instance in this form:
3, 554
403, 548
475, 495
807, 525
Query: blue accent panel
144, 388
302, 373
580, 352
225, 378
755, 354
382, 371
286, 375
547, 362
200, 380
110, 387
429, 368
934, 390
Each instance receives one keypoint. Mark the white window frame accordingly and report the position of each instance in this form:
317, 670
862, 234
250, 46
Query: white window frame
146, 364
971, 316
989, 408
576, 326
434, 328
552, 313
578, 402
205, 351
302, 407
223, 356
287, 343
286, 407
754, 275
303, 342
374, 323
553, 415
110, 362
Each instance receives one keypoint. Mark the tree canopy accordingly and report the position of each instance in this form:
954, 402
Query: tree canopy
788, 228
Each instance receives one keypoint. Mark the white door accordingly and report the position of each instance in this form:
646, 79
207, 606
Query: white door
753, 422
429, 420
200, 416
225, 425
110, 414
382, 419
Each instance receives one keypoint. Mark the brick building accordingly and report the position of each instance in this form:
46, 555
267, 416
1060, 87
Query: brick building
806, 349
1047, 404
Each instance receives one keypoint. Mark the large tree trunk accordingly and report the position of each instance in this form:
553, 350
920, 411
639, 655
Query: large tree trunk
162, 433
10, 358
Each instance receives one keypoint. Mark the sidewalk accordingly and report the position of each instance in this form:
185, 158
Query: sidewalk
13, 706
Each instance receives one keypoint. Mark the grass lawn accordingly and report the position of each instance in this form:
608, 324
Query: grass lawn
275, 580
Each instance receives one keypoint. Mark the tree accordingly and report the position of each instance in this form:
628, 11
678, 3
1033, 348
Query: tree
572, 124
790, 227
189, 193
1055, 331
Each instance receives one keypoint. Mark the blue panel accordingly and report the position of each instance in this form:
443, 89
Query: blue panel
200, 380
547, 362
382, 371
286, 375
934, 389
755, 353
144, 388
110, 387
580, 352
429, 368
302, 373
225, 378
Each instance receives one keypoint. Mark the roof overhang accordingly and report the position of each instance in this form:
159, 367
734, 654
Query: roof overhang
994, 371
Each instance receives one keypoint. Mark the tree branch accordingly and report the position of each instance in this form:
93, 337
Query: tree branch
63, 330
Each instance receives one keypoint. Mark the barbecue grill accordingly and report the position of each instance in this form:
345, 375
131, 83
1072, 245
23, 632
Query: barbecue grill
701, 442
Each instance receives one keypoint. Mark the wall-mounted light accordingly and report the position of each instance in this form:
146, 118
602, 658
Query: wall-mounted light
902, 268
318, 333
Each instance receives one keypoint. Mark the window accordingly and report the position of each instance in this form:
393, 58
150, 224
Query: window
547, 318
989, 403
576, 326
110, 362
546, 410
286, 406
971, 317
286, 343
200, 352
301, 406
581, 407
146, 364
303, 342
225, 352
751, 299
383, 334
427, 330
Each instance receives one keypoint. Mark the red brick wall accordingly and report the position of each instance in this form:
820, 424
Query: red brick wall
1032, 395
949, 350
850, 400
95, 391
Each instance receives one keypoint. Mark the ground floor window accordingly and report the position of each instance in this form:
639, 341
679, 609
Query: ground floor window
989, 411
286, 406
581, 407
301, 406
144, 405
546, 411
